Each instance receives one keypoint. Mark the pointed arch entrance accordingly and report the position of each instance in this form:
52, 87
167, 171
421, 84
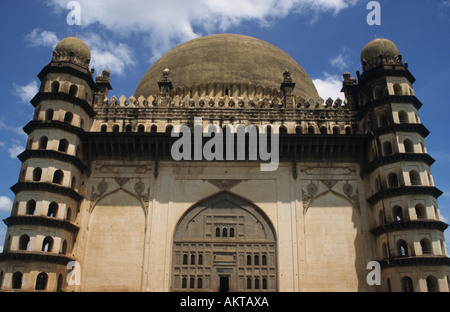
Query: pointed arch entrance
224, 243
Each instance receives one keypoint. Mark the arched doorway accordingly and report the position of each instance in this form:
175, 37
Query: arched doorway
224, 243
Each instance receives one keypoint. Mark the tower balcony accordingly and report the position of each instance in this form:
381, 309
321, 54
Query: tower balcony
409, 225
414, 261
398, 157
404, 190
35, 256
46, 187
41, 221
61, 96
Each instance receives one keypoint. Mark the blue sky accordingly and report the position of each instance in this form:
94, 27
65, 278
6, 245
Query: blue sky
324, 36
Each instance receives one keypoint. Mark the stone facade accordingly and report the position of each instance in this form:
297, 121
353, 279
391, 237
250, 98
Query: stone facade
99, 191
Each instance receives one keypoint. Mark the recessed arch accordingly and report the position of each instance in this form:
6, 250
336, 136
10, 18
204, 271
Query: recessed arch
115, 244
206, 226
332, 240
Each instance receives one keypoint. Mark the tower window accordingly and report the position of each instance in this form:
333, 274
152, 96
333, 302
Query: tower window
73, 91
421, 211
378, 92
336, 130
47, 244
24, 242
414, 178
383, 120
63, 146
73, 185
387, 148
41, 281
403, 117
55, 87
104, 128
402, 248
408, 145
31, 207
52, 210
432, 284
17, 280
49, 114
68, 117
43, 143
59, 285
407, 284
37, 174
425, 245
64, 248
69, 214
393, 180
58, 177
398, 213
398, 89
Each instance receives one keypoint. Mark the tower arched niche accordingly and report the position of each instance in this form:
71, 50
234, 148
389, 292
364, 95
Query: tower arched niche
213, 242
115, 244
332, 241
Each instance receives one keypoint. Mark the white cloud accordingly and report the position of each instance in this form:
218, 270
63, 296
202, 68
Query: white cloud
26, 92
169, 22
329, 86
340, 61
15, 150
106, 54
15, 147
5, 204
40, 37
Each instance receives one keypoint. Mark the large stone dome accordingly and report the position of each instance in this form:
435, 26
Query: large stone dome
227, 59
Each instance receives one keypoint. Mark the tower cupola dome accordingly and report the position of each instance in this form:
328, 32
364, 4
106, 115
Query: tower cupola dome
73, 49
379, 51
